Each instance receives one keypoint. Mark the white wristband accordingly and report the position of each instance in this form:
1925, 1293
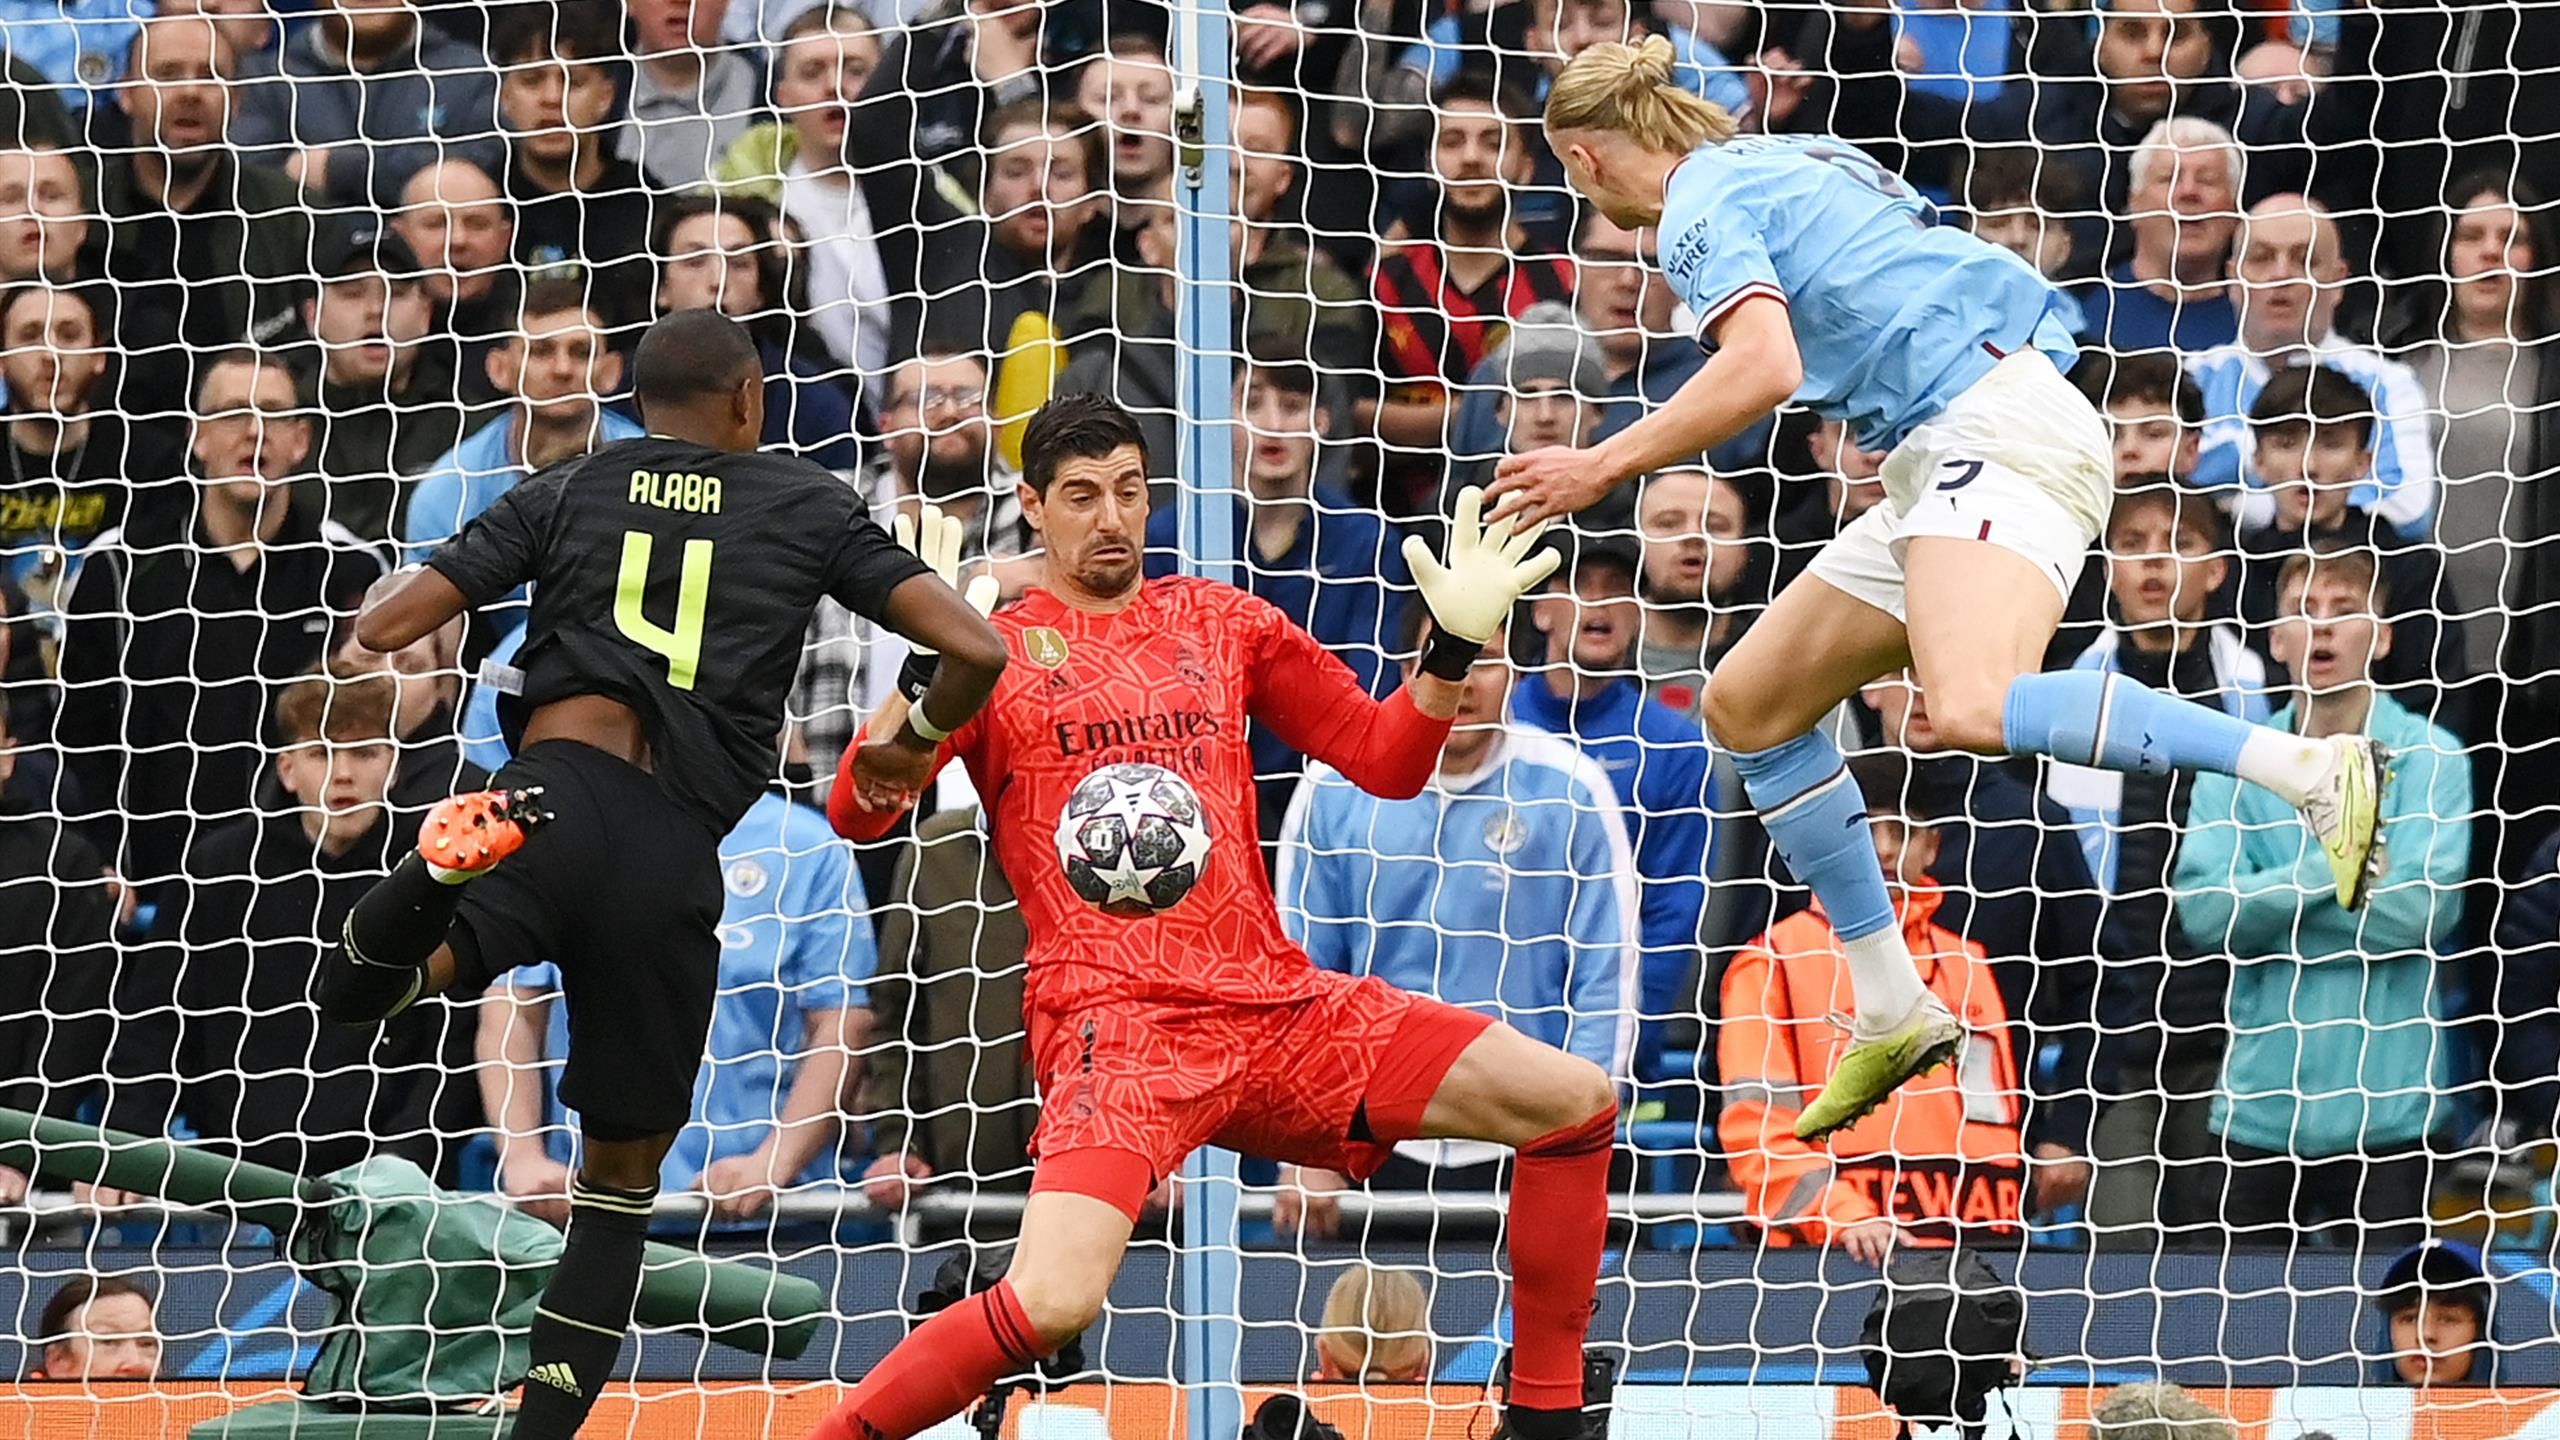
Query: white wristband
925, 729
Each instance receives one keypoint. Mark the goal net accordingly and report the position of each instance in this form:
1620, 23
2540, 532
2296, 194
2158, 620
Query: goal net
293, 293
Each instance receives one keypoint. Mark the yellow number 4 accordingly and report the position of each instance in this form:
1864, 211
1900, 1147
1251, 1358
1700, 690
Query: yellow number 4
682, 645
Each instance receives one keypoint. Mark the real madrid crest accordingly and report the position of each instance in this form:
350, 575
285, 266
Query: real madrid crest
1046, 647
1188, 669
1506, 832
746, 879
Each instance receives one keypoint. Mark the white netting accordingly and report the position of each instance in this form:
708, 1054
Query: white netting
291, 293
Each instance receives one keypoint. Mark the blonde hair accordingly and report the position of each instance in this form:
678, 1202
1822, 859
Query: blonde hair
1627, 88
2156, 1412
1376, 1326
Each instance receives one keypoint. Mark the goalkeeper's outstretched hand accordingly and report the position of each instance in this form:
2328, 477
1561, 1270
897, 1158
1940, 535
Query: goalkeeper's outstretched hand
935, 539
888, 770
1488, 569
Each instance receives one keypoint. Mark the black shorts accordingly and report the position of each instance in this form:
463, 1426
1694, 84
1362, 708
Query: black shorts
621, 890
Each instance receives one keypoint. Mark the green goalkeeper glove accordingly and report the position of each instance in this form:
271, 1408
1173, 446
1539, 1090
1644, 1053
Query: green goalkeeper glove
1489, 568
935, 539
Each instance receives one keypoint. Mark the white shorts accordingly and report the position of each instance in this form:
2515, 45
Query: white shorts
2021, 460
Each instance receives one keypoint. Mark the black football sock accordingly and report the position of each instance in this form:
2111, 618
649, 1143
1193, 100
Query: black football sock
378, 965
1524, 1422
585, 1310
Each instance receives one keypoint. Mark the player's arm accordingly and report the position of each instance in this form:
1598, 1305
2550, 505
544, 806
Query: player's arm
1390, 747
499, 550
1755, 369
405, 606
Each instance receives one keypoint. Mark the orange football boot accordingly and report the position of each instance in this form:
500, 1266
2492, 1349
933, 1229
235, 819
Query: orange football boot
467, 835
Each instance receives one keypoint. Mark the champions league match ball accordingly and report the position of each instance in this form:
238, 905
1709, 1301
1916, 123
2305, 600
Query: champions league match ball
1133, 839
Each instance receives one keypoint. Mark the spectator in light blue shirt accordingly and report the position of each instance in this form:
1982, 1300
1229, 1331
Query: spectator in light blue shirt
1656, 759
796, 951
1507, 887
557, 366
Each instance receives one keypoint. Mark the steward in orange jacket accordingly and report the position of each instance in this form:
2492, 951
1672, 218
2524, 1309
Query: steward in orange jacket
1943, 1157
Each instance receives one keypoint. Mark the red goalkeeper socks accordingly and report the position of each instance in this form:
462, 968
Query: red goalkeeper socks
941, 1369
1559, 1224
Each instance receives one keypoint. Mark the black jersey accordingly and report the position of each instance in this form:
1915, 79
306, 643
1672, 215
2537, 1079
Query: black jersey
678, 580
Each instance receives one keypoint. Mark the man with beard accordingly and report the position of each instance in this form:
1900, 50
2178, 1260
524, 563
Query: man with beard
365, 97
1205, 1024
1446, 299
206, 251
184, 619
387, 405
941, 451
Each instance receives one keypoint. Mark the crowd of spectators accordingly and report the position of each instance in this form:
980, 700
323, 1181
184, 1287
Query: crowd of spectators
289, 294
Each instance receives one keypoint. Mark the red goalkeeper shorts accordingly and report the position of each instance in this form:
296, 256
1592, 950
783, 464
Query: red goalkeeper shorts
1331, 1081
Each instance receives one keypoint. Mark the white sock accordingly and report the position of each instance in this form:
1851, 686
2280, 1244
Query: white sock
2291, 765
1885, 984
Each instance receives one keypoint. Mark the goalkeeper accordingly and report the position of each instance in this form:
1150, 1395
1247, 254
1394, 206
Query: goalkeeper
1204, 1024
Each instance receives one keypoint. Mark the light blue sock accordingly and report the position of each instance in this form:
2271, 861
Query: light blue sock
2097, 717
1818, 820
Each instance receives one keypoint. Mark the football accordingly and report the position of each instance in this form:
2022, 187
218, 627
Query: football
1133, 839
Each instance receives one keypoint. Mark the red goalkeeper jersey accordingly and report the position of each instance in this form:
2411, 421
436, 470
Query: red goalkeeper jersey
1169, 680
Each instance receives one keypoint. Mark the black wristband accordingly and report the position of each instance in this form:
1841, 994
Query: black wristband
1450, 657
917, 674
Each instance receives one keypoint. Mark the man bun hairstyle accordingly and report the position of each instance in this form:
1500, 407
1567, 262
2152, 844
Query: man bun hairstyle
1629, 89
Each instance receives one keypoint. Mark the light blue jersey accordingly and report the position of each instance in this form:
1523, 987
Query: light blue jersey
1894, 316
795, 939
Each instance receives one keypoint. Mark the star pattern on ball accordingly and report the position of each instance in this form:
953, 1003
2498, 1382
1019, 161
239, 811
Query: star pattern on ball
1126, 879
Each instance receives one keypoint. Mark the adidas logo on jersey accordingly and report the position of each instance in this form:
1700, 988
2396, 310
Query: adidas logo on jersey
558, 1376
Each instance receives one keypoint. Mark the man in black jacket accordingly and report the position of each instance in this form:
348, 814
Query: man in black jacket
184, 620
218, 1023
388, 403
205, 251
581, 210
58, 910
